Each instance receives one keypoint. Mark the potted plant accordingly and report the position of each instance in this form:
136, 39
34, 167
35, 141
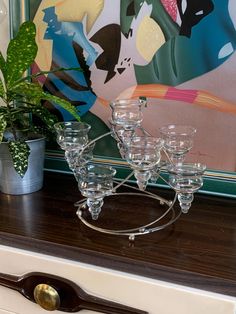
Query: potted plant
23, 117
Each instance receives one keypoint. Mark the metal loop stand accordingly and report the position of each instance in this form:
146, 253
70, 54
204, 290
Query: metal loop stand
156, 225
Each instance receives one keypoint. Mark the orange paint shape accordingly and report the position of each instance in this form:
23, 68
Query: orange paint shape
197, 97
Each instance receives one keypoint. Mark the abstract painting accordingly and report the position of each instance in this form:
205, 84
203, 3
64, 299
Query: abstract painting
180, 54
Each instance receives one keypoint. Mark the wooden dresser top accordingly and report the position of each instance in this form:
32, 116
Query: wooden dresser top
199, 250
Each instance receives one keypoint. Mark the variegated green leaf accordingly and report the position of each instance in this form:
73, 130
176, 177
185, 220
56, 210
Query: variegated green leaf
2, 65
31, 91
21, 52
45, 116
63, 104
34, 93
1, 89
20, 152
29, 96
43, 73
3, 125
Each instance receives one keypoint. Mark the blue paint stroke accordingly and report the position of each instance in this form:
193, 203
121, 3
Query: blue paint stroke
63, 54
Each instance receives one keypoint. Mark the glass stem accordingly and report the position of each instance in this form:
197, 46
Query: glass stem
177, 159
185, 201
95, 206
142, 178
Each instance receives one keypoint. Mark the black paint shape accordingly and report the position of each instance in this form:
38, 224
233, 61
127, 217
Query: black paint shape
189, 17
81, 60
109, 39
121, 70
130, 9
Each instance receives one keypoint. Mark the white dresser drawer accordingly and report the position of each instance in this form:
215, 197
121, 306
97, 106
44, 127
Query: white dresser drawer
6, 312
153, 296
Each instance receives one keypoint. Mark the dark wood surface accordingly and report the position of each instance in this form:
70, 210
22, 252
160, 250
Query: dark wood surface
199, 250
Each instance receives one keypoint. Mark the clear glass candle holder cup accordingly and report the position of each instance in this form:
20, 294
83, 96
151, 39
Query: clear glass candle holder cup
95, 182
143, 154
178, 140
127, 112
186, 179
72, 135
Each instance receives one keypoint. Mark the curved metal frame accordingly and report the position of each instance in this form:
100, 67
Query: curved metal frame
140, 230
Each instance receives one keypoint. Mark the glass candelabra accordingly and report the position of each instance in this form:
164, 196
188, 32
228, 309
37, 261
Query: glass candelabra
143, 153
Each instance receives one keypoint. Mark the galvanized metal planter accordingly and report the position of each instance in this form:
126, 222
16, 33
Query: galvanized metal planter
10, 180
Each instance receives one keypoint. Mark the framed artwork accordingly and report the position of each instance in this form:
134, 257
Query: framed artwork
178, 54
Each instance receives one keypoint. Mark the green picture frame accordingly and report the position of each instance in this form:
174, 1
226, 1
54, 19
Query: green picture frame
220, 183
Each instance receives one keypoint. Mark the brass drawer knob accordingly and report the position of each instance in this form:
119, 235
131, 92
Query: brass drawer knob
47, 297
